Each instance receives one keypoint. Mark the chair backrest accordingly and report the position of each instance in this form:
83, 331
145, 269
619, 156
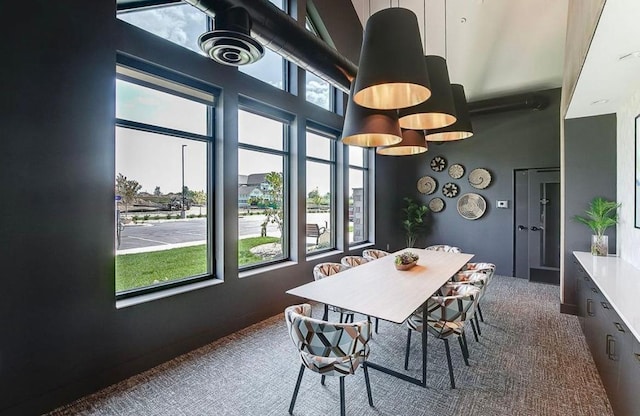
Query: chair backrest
445, 248
457, 303
353, 261
322, 270
317, 338
372, 254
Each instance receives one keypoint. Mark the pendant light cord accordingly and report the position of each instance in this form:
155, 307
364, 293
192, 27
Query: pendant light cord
445, 29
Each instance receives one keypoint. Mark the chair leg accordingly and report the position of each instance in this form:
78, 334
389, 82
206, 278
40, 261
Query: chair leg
322, 380
475, 316
368, 383
342, 407
325, 316
295, 391
473, 326
446, 348
377, 325
406, 354
341, 314
466, 345
480, 311
464, 352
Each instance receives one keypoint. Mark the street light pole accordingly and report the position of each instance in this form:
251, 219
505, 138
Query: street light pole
183, 213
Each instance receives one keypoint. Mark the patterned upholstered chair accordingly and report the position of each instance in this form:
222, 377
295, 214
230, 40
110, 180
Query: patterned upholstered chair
329, 349
353, 261
322, 271
446, 315
445, 248
479, 279
373, 254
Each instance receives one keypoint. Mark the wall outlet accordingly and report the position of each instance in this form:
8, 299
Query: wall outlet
502, 204
387, 246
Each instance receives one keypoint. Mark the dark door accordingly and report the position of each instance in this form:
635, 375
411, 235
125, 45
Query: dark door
537, 225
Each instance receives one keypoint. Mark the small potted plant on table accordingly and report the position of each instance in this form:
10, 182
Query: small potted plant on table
601, 215
406, 260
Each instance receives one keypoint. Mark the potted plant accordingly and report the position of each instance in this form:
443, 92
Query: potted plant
601, 215
406, 260
414, 220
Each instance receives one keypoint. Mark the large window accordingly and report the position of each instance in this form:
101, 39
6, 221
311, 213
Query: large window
319, 91
321, 173
358, 195
262, 189
163, 142
179, 23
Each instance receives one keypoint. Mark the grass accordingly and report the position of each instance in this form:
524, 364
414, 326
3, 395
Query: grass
145, 269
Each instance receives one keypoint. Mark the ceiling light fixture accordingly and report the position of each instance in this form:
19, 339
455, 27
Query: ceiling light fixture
413, 143
635, 54
392, 72
462, 128
598, 102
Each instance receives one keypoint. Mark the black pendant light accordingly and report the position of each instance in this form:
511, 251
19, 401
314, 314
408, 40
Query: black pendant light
365, 127
392, 72
439, 110
462, 128
413, 143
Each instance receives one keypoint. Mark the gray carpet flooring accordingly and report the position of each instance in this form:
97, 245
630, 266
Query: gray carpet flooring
531, 360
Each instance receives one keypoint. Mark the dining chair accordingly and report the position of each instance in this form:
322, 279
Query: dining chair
445, 248
329, 349
446, 315
353, 261
373, 254
322, 271
479, 279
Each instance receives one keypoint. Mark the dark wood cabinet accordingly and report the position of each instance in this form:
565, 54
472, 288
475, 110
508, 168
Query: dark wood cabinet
615, 350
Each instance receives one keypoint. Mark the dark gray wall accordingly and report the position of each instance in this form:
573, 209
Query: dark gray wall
590, 171
502, 142
62, 336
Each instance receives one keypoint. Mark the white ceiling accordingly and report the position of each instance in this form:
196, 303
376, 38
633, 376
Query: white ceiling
604, 75
493, 47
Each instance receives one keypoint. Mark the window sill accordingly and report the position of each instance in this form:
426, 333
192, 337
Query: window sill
360, 246
261, 270
324, 254
148, 297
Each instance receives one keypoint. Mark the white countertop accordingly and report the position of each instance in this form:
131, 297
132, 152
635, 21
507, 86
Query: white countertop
619, 282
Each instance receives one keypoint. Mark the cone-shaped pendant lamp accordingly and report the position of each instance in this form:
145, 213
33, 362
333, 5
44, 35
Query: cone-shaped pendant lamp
365, 127
439, 110
462, 128
412, 143
392, 72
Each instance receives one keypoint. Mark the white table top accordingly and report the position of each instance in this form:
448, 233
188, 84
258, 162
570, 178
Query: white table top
619, 282
379, 290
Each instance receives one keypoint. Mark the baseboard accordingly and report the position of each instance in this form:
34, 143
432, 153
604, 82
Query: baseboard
568, 308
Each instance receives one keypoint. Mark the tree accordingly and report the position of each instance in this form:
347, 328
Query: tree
157, 192
315, 198
274, 212
199, 198
127, 189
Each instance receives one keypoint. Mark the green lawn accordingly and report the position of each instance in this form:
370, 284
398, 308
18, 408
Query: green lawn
145, 269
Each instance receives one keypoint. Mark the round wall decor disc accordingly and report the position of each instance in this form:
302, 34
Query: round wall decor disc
427, 185
471, 206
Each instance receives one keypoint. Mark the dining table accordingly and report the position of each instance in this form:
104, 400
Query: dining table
377, 289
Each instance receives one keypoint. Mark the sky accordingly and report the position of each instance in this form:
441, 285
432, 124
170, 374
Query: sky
154, 160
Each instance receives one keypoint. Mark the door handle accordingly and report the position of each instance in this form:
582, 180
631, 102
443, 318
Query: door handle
522, 228
534, 228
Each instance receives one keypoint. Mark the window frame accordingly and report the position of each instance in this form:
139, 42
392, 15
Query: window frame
164, 78
265, 111
365, 170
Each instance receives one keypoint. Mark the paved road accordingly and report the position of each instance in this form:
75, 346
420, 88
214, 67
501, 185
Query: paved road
152, 233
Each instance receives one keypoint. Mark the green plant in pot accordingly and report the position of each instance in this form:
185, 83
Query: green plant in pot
601, 215
413, 222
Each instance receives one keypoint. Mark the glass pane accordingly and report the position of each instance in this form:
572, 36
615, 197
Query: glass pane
357, 206
320, 234
318, 91
181, 24
269, 69
260, 131
161, 233
319, 146
145, 105
261, 219
356, 156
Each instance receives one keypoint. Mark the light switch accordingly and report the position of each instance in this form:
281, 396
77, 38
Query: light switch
502, 204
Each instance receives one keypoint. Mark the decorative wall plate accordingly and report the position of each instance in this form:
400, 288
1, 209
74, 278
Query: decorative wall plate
438, 164
427, 185
479, 178
471, 206
450, 190
456, 171
436, 205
